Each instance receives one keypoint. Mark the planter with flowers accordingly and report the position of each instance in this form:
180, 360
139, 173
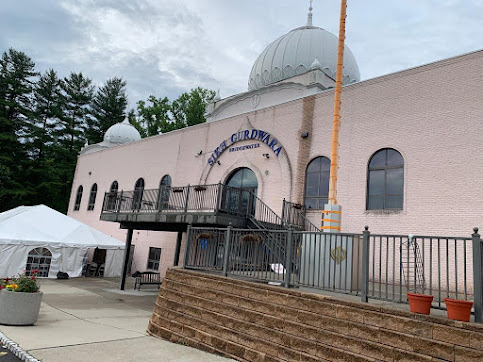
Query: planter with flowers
20, 300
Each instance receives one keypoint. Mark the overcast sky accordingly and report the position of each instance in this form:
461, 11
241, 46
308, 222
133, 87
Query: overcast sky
166, 47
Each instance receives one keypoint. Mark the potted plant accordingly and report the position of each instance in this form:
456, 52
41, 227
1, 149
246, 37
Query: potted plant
20, 300
413, 270
458, 310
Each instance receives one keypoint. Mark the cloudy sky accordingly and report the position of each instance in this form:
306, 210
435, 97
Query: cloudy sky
166, 47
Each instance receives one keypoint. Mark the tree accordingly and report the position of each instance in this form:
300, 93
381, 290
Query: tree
76, 96
153, 117
17, 71
108, 108
189, 109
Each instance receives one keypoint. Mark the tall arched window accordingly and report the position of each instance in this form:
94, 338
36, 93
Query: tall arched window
111, 199
138, 194
164, 190
92, 198
385, 180
114, 187
317, 183
78, 198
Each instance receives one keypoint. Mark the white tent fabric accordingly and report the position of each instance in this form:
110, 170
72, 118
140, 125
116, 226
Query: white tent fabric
27, 227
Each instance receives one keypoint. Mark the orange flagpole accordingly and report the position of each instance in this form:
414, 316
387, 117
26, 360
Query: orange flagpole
334, 164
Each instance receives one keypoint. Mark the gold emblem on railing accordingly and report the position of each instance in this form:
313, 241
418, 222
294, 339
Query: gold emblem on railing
338, 254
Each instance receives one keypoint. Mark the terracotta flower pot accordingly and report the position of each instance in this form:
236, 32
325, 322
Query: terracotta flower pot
420, 303
458, 310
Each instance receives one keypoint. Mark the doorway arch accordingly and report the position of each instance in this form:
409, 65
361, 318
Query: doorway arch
241, 190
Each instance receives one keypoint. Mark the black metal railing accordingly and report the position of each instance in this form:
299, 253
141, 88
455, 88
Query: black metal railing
294, 215
384, 267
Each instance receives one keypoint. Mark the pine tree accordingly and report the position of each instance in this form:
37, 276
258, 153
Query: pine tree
108, 108
76, 96
17, 71
44, 175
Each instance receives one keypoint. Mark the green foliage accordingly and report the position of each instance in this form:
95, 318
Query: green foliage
108, 107
45, 121
160, 116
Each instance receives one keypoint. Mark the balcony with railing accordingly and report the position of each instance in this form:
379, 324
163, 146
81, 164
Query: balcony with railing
173, 208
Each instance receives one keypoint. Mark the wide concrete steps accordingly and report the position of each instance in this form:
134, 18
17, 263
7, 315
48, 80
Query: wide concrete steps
255, 322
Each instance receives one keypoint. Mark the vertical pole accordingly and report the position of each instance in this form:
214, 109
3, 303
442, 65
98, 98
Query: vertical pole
288, 257
365, 265
120, 202
127, 251
477, 276
283, 212
178, 248
218, 198
187, 246
187, 199
334, 162
226, 255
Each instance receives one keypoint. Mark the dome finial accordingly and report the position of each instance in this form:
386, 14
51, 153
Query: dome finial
309, 16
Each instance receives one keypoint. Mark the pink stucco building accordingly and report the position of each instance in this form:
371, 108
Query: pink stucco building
410, 147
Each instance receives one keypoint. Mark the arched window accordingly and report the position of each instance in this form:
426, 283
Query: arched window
92, 198
164, 190
78, 198
317, 183
385, 180
114, 187
242, 184
38, 259
138, 194
111, 199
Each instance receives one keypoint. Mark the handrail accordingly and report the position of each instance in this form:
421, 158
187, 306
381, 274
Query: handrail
294, 215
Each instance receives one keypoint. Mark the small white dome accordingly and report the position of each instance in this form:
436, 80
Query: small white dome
121, 133
294, 53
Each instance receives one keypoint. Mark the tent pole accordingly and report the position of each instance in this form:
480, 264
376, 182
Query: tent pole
127, 251
178, 248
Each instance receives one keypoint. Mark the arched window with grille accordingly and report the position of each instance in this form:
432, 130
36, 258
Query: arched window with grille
385, 180
39, 260
114, 187
317, 183
164, 190
112, 196
138, 194
78, 198
92, 198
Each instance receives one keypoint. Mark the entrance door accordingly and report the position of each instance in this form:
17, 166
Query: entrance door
242, 184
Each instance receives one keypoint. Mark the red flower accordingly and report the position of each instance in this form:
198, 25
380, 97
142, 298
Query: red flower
33, 278
1, 287
6, 280
35, 271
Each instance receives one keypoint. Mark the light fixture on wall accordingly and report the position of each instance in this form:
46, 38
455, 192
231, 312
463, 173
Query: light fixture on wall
199, 153
304, 134
266, 155
219, 163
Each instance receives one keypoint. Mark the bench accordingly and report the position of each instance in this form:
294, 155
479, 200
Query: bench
147, 278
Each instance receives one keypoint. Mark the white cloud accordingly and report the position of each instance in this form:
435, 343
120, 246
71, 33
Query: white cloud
164, 47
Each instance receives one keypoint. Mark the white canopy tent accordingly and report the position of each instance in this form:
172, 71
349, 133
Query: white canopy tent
26, 228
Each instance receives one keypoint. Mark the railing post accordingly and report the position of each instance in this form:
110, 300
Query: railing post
187, 246
120, 202
226, 255
187, 199
365, 265
218, 197
477, 275
288, 257
283, 212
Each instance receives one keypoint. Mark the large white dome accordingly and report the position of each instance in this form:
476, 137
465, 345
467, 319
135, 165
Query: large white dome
295, 52
121, 133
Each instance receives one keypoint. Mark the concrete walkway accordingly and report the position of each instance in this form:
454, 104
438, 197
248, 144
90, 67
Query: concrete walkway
89, 319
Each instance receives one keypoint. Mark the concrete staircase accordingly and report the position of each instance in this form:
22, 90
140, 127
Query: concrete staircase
256, 322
